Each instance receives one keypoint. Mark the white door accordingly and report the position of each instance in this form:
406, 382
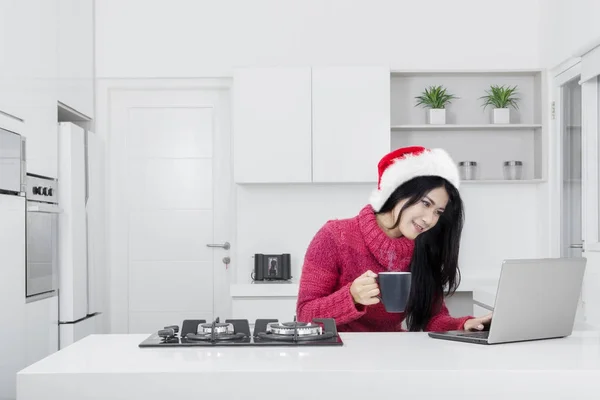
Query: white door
569, 153
571, 182
170, 197
590, 87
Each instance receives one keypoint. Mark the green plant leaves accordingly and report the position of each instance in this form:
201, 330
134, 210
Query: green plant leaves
500, 97
435, 97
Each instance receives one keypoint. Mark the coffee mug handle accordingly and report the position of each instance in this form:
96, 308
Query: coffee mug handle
378, 296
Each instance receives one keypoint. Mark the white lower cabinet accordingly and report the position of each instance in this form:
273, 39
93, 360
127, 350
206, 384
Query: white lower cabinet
41, 333
12, 291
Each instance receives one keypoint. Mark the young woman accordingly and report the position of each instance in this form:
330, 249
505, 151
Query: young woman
413, 223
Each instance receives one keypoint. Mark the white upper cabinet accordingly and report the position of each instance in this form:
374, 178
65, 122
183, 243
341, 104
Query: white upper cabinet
272, 125
350, 122
293, 125
47, 49
11, 58
28, 84
76, 55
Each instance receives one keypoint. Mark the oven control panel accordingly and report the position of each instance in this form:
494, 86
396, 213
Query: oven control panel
42, 189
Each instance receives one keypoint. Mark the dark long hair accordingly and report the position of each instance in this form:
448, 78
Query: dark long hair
434, 264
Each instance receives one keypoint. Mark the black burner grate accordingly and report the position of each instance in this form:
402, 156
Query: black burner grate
197, 332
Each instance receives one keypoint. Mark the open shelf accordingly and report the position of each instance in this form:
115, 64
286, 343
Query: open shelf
469, 134
463, 127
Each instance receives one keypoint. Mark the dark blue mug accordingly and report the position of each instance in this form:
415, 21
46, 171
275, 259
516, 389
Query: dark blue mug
394, 290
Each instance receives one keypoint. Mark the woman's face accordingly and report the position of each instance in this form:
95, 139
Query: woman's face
423, 215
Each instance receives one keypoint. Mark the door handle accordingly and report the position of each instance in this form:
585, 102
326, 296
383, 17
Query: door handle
576, 246
225, 245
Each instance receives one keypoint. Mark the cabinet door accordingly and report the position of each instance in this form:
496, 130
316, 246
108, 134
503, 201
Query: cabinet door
351, 122
12, 291
95, 220
76, 55
272, 125
12, 25
72, 250
28, 76
42, 329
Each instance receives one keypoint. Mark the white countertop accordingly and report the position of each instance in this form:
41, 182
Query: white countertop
368, 364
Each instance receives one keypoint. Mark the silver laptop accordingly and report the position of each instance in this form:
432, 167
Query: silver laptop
536, 299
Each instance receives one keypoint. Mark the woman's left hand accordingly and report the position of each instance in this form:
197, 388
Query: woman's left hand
477, 324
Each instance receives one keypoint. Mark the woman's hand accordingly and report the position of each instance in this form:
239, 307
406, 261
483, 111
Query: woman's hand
364, 289
477, 324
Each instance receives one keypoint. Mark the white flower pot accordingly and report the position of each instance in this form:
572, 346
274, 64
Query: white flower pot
501, 116
436, 116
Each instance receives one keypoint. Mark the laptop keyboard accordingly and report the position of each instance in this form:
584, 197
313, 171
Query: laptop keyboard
482, 335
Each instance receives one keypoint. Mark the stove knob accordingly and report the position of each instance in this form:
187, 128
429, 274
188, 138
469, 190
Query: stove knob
45, 191
50, 191
35, 190
166, 333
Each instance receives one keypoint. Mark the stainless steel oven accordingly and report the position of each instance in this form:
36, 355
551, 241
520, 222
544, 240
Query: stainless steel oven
42, 237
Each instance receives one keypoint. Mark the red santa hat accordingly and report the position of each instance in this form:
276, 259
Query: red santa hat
406, 163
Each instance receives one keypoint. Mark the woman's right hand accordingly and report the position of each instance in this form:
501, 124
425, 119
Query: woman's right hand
364, 289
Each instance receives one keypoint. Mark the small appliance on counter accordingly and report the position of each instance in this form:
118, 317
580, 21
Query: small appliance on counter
272, 267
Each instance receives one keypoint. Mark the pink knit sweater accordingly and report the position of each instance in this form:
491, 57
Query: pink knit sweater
341, 251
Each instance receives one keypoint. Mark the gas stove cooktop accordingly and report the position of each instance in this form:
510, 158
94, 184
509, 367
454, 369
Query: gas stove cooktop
236, 332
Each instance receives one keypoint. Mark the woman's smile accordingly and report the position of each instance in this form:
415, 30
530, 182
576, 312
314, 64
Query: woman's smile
418, 227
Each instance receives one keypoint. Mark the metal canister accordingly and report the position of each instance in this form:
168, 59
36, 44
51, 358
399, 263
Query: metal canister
513, 170
468, 170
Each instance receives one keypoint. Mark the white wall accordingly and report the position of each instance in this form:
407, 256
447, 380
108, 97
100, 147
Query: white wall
201, 38
567, 27
284, 218
275, 219
195, 38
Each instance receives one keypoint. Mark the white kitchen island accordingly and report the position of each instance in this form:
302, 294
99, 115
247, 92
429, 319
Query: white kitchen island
368, 366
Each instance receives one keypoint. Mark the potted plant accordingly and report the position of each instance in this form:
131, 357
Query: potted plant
435, 98
501, 97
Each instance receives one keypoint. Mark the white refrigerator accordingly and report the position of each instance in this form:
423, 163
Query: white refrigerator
81, 232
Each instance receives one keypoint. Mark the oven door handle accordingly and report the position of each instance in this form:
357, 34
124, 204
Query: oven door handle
45, 208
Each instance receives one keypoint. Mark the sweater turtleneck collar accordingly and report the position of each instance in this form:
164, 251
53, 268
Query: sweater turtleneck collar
393, 254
